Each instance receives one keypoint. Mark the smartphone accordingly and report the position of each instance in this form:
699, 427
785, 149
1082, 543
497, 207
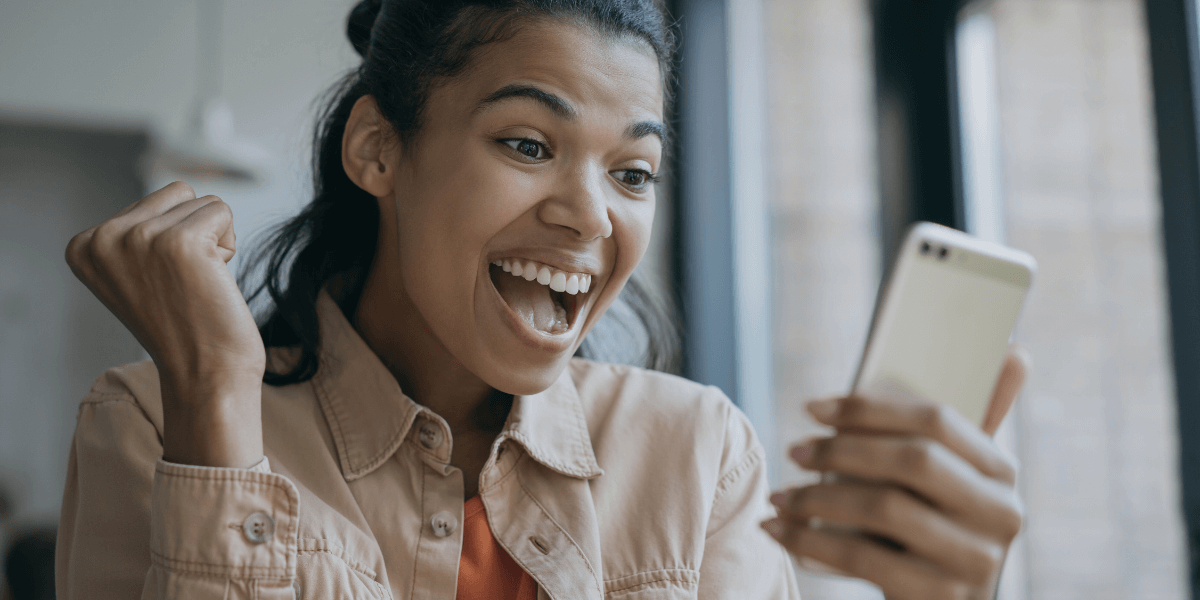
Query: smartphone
944, 320
942, 326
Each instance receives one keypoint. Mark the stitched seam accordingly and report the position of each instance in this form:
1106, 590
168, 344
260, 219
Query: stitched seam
677, 573
420, 537
103, 397
95, 399
553, 464
352, 565
582, 438
669, 575
752, 458
252, 477
267, 480
392, 445
212, 570
509, 473
592, 570
331, 416
315, 545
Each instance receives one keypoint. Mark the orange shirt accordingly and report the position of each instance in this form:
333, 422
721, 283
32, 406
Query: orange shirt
485, 570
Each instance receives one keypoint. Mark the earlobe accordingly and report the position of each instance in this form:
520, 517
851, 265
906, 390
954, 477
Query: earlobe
366, 153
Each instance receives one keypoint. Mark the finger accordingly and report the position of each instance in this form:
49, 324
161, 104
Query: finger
1008, 386
215, 221
901, 575
923, 466
928, 419
156, 203
154, 226
895, 514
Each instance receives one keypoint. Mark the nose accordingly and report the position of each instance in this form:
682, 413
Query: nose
580, 204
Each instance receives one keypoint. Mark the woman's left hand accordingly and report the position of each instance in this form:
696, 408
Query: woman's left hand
931, 489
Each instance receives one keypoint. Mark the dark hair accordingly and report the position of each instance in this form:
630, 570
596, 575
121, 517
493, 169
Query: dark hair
407, 45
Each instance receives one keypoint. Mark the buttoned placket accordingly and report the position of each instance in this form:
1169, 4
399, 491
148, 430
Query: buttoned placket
435, 574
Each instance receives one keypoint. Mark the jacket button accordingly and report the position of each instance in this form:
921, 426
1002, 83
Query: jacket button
444, 524
258, 527
430, 435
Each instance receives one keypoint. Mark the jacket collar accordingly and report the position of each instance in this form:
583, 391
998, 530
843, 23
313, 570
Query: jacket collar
369, 416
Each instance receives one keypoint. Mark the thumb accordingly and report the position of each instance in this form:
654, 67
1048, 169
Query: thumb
1008, 386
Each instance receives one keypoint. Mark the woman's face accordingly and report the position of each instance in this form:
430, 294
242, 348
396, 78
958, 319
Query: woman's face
539, 158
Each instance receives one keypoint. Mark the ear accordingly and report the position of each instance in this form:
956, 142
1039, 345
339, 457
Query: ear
1012, 379
367, 152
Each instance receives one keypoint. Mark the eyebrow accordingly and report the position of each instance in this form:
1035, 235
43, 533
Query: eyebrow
557, 105
564, 110
640, 130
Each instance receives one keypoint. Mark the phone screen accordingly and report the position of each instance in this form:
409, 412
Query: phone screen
944, 328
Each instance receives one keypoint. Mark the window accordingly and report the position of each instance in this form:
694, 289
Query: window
1057, 159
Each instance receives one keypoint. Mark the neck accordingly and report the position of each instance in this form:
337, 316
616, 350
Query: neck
388, 321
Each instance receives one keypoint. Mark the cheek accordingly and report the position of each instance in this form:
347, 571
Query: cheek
631, 231
446, 216
632, 223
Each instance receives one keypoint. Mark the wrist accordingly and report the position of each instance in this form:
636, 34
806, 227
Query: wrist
212, 426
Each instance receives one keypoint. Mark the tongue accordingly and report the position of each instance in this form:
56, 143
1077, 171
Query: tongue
532, 302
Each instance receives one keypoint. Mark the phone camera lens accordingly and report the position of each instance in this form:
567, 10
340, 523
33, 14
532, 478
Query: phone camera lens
943, 252
925, 248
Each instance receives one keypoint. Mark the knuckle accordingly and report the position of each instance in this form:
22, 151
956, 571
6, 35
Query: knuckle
140, 235
981, 563
801, 502
829, 452
1006, 470
856, 561
886, 506
852, 409
942, 589
933, 420
914, 456
105, 235
180, 189
170, 244
1013, 519
77, 249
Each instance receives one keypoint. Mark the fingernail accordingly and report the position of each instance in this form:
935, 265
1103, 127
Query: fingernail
779, 498
803, 452
773, 527
823, 410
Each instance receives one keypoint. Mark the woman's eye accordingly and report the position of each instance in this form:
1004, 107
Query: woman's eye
527, 148
635, 178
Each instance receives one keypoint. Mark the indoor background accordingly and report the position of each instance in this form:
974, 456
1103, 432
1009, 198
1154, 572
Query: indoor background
810, 132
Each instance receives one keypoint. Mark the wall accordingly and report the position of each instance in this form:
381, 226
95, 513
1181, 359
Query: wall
84, 88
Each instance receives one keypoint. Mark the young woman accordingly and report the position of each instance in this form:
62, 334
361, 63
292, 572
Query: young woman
410, 421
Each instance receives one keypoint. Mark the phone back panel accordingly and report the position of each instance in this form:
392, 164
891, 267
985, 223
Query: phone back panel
945, 319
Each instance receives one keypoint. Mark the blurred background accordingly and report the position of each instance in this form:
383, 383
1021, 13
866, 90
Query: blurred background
810, 133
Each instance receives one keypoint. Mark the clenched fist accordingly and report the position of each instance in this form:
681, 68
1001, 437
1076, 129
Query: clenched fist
160, 266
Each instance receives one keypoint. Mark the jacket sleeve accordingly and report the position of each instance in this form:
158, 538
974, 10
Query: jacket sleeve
740, 559
135, 526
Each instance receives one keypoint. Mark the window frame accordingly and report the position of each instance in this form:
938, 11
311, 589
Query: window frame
1175, 67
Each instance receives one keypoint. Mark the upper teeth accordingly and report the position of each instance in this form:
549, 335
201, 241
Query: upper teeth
559, 281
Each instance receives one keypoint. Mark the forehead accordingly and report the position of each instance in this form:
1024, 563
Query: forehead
593, 71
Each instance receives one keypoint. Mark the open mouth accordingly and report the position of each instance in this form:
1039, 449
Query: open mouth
545, 298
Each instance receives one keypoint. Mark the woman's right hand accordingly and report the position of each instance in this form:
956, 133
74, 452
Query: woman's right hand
160, 266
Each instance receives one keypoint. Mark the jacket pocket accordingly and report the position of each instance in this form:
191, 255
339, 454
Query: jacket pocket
324, 572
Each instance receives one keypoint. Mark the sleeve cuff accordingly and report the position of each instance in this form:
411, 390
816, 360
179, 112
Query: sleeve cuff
224, 522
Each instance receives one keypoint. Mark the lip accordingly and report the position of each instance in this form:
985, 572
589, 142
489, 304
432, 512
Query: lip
563, 261
546, 342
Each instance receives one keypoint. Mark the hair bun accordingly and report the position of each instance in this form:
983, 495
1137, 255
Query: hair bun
360, 23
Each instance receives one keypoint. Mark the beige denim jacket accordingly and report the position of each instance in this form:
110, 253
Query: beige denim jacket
613, 483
